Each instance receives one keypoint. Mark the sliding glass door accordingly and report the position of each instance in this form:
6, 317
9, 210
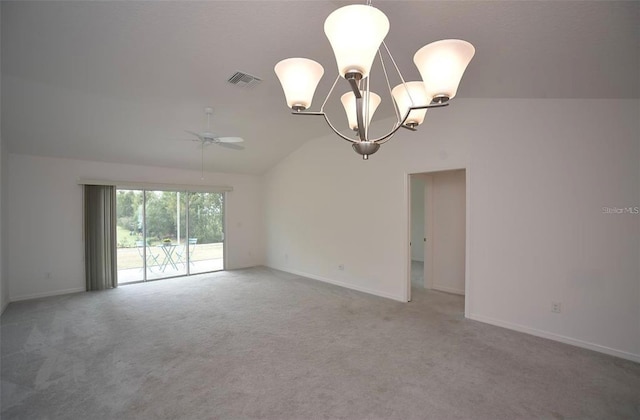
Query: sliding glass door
168, 234
206, 227
165, 227
129, 235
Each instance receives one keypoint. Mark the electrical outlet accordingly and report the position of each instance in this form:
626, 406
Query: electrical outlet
341, 267
556, 307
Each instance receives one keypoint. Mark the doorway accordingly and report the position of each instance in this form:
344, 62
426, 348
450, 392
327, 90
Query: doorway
438, 232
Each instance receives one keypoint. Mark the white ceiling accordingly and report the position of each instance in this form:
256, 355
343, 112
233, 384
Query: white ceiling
121, 81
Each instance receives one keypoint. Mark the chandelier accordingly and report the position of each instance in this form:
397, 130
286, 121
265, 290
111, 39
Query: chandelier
356, 34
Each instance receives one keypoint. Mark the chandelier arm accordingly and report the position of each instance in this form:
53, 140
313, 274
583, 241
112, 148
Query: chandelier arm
315, 113
329, 94
361, 127
382, 139
324, 114
431, 105
354, 87
399, 74
387, 137
386, 76
326, 118
366, 106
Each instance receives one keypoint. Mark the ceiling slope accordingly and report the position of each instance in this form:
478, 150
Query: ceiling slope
121, 81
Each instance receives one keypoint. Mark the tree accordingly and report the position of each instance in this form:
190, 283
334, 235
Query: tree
160, 220
206, 217
205, 214
127, 204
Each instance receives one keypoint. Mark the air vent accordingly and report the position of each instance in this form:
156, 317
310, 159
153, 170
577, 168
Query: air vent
244, 80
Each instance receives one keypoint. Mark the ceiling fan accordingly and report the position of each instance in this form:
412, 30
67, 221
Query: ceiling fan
207, 138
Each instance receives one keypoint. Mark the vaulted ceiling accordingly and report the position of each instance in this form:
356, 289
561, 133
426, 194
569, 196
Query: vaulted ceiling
121, 81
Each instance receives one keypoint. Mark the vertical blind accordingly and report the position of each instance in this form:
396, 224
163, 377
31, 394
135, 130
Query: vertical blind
100, 237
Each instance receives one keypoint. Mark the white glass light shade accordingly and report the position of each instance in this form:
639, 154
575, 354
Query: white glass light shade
442, 64
355, 33
349, 104
403, 100
299, 78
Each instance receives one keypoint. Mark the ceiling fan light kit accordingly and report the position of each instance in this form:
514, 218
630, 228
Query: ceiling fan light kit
356, 34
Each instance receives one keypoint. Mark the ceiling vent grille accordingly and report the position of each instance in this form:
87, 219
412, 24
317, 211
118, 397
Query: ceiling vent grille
244, 80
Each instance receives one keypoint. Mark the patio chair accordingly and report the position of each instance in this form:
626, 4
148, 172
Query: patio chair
181, 254
152, 259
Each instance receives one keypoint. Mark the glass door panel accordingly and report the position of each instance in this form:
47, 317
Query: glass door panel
129, 236
206, 232
164, 234
165, 229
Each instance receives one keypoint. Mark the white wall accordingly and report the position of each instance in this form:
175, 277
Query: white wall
325, 206
4, 287
44, 223
417, 218
4, 296
540, 172
448, 230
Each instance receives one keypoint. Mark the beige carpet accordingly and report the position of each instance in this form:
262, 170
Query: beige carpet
258, 343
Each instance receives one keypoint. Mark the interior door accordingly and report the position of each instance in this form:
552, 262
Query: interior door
445, 225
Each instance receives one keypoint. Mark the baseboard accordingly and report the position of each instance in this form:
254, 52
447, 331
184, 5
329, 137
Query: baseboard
557, 337
339, 283
47, 294
448, 290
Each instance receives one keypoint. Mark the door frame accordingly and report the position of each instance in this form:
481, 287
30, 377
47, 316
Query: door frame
407, 233
427, 256
225, 195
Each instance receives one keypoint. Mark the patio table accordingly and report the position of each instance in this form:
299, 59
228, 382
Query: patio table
168, 250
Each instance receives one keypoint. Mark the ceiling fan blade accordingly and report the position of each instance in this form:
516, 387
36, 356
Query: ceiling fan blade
198, 135
229, 139
231, 146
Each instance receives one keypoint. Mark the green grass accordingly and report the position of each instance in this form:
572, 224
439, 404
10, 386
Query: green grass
125, 240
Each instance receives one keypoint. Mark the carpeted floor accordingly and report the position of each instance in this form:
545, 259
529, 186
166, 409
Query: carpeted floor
259, 343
